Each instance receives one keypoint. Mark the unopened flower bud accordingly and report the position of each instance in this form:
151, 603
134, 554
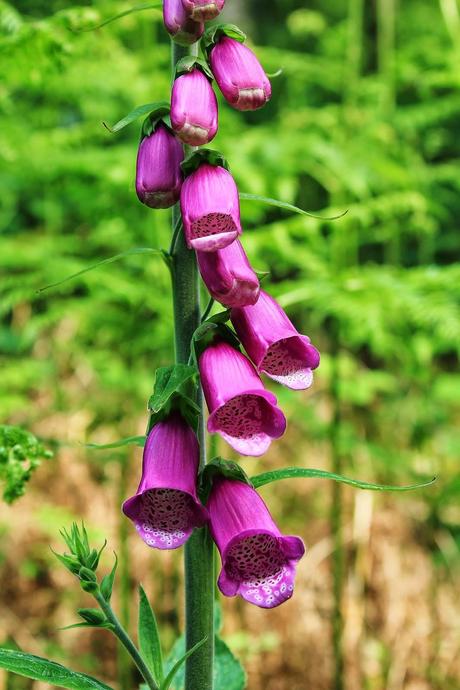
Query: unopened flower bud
239, 75
158, 172
194, 108
203, 10
181, 27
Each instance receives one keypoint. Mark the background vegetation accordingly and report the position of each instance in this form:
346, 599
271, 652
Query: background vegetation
364, 117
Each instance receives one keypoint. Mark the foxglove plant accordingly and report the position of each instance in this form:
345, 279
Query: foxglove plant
258, 562
168, 508
274, 344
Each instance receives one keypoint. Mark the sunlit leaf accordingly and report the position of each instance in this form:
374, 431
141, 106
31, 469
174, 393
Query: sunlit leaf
137, 8
302, 473
289, 207
47, 671
110, 260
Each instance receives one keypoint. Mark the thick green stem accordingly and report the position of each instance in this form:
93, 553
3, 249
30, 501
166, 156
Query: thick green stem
126, 641
199, 564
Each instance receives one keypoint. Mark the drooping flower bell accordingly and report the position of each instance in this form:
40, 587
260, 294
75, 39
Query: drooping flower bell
241, 410
158, 172
203, 10
239, 74
258, 562
228, 275
181, 27
165, 508
194, 108
274, 344
210, 208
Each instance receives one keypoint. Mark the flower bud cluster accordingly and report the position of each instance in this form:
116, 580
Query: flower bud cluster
258, 561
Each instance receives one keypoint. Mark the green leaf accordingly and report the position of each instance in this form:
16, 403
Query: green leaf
220, 467
110, 260
108, 580
228, 672
190, 62
210, 329
134, 114
210, 156
129, 441
212, 35
149, 637
180, 662
168, 381
299, 472
137, 8
47, 671
20, 455
283, 204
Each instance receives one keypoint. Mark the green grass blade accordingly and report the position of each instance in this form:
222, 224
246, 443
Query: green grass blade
137, 8
149, 637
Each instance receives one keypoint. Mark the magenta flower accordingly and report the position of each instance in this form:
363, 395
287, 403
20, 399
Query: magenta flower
165, 509
258, 562
274, 344
194, 108
158, 173
240, 409
181, 27
228, 275
210, 208
239, 75
203, 10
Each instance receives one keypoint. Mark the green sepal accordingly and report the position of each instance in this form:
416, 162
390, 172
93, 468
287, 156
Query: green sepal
87, 575
190, 62
70, 562
170, 393
108, 580
134, 114
153, 119
213, 35
94, 617
219, 467
209, 330
90, 587
193, 162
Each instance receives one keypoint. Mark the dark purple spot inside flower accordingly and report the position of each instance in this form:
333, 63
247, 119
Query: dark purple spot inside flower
165, 518
284, 363
258, 563
213, 224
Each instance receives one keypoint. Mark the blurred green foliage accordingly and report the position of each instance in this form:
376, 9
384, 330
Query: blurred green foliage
363, 117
